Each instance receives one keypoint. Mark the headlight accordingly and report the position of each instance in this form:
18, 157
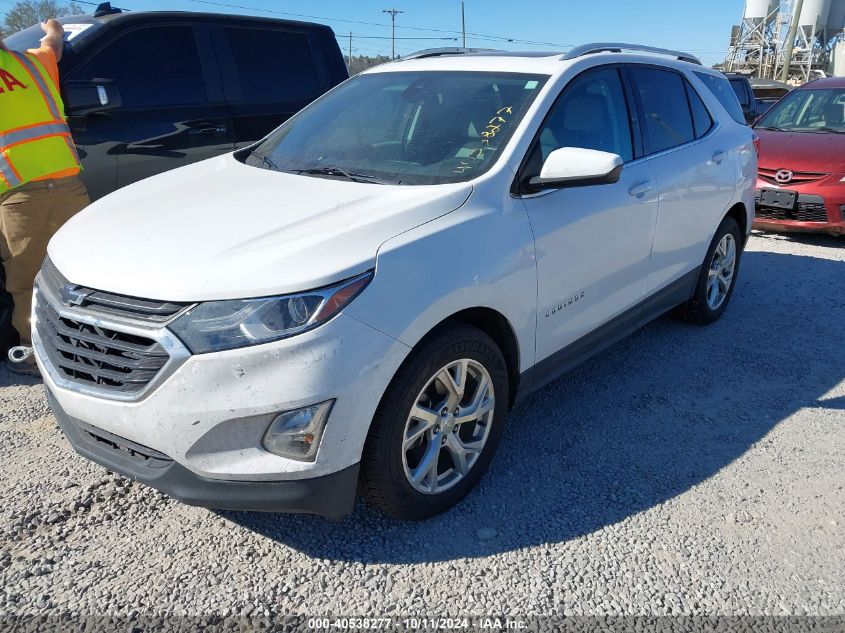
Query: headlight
219, 325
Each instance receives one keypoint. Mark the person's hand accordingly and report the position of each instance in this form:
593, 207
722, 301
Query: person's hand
54, 37
52, 27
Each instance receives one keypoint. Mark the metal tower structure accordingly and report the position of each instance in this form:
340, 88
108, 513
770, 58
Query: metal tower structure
760, 45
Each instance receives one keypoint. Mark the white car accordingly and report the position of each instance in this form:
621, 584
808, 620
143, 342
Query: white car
359, 299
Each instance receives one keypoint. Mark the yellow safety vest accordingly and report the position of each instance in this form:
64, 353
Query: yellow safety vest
35, 141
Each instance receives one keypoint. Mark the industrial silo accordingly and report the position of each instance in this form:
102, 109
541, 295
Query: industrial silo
814, 16
759, 11
835, 18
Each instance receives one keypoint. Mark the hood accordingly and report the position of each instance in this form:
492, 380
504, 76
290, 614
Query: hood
220, 229
802, 151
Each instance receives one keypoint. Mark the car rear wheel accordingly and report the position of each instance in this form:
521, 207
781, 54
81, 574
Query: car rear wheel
717, 278
437, 427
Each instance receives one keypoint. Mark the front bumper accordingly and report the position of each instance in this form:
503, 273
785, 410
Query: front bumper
821, 209
330, 495
205, 415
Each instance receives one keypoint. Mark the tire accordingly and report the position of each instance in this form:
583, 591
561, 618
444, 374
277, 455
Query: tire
701, 307
389, 463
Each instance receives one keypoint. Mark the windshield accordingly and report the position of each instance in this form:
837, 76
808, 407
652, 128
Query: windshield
821, 110
407, 128
75, 29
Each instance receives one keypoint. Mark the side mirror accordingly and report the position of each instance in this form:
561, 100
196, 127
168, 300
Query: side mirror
578, 167
89, 96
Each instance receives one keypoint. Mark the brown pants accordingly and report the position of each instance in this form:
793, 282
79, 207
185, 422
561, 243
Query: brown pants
29, 216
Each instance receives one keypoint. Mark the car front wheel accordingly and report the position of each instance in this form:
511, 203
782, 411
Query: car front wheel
437, 427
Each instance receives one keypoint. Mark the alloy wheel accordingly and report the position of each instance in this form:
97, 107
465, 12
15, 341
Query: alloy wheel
721, 274
448, 426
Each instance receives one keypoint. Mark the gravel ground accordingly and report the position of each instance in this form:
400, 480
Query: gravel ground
687, 470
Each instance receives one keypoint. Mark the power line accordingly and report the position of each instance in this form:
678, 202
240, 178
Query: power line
385, 37
482, 36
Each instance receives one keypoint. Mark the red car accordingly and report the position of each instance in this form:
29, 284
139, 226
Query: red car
801, 174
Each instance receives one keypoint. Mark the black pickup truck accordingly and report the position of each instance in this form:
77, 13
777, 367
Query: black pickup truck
146, 92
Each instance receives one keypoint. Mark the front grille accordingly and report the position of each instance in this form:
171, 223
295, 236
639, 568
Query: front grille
97, 356
808, 209
86, 343
108, 303
798, 177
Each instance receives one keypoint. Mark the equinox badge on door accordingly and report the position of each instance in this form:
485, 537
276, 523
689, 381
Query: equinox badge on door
565, 304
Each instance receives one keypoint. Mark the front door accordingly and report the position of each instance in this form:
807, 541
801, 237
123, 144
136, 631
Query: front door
593, 243
172, 111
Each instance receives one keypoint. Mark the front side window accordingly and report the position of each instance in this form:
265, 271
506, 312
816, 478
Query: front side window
819, 110
591, 113
408, 128
151, 67
665, 109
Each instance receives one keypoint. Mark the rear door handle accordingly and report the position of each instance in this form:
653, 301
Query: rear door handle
207, 129
639, 190
718, 157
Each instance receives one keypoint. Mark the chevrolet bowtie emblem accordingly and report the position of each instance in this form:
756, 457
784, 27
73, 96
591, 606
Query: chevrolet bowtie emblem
70, 296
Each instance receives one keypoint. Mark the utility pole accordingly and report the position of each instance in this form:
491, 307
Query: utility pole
350, 52
790, 40
393, 13
463, 25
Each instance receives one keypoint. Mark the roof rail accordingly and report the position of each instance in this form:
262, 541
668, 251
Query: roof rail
450, 50
615, 47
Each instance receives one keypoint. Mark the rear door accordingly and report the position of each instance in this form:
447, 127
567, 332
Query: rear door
172, 113
696, 175
269, 74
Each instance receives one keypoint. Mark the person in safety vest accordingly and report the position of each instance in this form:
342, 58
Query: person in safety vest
40, 187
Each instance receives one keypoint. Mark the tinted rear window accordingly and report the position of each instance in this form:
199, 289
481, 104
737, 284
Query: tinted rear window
701, 119
721, 88
739, 89
273, 65
663, 97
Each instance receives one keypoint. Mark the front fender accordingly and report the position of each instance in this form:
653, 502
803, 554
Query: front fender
481, 255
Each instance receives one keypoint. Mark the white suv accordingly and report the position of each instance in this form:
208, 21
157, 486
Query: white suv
360, 298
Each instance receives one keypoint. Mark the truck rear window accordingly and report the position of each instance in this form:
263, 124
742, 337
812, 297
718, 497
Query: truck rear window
273, 65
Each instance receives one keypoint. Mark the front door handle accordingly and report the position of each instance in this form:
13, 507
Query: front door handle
639, 190
207, 129
718, 157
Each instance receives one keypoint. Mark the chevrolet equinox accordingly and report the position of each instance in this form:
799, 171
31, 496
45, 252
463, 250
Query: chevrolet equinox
356, 301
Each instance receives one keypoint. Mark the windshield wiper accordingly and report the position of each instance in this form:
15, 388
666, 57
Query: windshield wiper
768, 127
337, 171
835, 130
